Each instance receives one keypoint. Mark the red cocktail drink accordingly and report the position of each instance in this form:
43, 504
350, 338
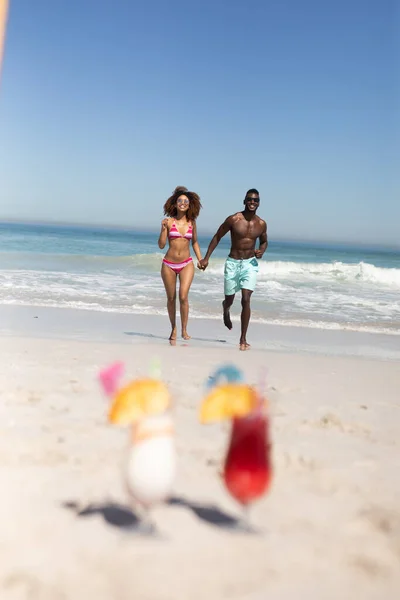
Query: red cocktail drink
248, 467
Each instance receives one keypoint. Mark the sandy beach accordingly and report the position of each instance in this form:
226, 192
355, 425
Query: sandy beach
260, 141
329, 528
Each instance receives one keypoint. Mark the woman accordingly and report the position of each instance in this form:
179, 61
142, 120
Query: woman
182, 210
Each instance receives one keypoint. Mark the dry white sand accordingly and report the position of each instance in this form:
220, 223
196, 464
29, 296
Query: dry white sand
330, 527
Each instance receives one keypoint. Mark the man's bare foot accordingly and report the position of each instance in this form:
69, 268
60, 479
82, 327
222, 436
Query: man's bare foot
172, 342
226, 316
173, 334
185, 335
243, 345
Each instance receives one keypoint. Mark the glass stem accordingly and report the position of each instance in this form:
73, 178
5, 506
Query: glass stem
246, 515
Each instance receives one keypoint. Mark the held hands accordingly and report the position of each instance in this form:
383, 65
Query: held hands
202, 264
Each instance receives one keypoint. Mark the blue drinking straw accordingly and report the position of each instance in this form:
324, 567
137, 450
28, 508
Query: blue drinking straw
231, 373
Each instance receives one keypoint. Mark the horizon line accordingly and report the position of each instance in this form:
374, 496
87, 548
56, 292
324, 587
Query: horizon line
114, 226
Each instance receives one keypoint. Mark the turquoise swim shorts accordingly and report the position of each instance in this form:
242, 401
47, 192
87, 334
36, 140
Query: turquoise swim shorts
240, 275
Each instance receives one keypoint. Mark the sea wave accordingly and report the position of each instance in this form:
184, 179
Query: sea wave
71, 261
314, 272
353, 296
278, 271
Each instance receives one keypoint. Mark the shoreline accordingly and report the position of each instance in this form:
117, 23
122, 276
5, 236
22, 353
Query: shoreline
109, 327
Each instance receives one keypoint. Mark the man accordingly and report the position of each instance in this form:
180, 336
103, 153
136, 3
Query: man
241, 266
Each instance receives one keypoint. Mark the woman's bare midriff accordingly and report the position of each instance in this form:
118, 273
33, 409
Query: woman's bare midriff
178, 251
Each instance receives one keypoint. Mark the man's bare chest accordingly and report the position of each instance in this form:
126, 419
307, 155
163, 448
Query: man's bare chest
246, 230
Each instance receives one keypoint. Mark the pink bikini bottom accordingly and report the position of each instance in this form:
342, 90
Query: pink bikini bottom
177, 267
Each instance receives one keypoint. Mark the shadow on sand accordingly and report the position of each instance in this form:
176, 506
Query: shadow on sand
213, 515
114, 514
125, 519
164, 338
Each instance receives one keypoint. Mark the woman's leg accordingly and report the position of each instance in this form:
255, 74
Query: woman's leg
185, 281
169, 279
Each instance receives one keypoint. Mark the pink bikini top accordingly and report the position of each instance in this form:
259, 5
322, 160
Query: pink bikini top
174, 232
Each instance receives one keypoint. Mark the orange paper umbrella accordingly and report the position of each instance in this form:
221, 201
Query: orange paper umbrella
228, 401
141, 398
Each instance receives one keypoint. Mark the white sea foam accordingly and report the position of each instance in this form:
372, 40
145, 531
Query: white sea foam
314, 272
327, 295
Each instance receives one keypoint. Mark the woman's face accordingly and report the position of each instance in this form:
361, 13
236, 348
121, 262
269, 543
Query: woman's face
182, 203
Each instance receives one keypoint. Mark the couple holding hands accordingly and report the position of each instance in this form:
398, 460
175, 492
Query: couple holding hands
241, 267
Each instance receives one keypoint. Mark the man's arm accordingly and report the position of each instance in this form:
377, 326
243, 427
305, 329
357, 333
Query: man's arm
222, 230
263, 243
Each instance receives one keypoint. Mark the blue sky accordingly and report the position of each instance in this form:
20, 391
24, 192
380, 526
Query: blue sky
107, 105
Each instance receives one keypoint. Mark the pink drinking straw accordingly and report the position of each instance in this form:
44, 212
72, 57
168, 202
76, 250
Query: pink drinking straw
109, 377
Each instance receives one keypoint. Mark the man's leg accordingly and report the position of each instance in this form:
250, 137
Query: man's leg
226, 305
230, 289
245, 318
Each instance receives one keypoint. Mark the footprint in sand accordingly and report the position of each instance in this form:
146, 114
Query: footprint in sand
34, 399
385, 520
24, 583
297, 462
63, 410
369, 565
322, 482
21, 584
332, 421
49, 459
75, 387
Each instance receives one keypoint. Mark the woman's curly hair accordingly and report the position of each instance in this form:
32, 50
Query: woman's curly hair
170, 208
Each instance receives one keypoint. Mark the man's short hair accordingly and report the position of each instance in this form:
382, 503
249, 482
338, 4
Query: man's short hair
252, 191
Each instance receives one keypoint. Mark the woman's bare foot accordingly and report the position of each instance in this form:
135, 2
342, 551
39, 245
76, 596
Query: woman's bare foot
226, 316
243, 345
185, 335
172, 337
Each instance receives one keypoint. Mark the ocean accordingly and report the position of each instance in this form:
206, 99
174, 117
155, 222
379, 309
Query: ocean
115, 270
